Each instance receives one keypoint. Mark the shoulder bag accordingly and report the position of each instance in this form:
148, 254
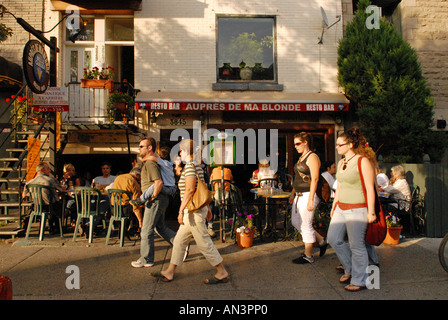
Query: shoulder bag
376, 231
202, 195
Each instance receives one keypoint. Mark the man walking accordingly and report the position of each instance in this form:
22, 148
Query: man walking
154, 215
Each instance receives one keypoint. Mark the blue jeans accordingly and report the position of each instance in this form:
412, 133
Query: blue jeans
154, 220
168, 190
353, 257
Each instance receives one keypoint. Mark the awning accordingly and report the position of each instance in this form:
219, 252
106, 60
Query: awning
10, 74
241, 101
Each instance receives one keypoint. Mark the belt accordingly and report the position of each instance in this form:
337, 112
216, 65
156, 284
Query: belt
349, 206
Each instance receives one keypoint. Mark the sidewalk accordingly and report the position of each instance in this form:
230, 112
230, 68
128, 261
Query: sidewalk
410, 270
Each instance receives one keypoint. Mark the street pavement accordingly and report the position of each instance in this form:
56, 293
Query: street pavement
47, 270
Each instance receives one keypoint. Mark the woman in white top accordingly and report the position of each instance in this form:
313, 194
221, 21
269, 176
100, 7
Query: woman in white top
399, 189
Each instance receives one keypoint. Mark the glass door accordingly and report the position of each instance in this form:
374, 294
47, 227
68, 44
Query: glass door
78, 59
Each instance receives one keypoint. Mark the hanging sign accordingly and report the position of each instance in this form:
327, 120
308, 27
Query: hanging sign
54, 99
36, 66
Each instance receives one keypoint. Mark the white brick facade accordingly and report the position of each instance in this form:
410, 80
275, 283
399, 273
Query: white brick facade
175, 43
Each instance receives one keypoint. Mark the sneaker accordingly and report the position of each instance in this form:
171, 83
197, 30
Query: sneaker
323, 249
303, 260
137, 202
139, 264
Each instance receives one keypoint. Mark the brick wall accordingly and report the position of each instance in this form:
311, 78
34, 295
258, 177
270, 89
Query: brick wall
175, 43
424, 24
39, 15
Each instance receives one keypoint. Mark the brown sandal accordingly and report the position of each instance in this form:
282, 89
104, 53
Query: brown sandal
354, 288
345, 278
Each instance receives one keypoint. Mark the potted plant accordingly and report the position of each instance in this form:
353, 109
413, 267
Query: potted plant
245, 228
245, 71
98, 79
119, 104
393, 229
322, 217
227, 69
20, 109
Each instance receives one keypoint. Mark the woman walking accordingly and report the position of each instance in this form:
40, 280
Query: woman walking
192, 224
303, 196
351, 213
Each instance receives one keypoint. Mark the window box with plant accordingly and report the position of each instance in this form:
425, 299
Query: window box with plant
119, 107
98, 79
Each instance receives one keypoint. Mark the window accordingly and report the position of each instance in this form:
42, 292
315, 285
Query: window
120, 29
246, 49
87, 35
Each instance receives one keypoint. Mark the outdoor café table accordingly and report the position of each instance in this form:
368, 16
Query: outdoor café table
269, 193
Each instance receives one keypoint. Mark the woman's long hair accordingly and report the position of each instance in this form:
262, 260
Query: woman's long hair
360, 145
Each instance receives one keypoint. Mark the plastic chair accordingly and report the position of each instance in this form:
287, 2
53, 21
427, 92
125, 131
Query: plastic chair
87, 205
117, 213
220, 193
40, 208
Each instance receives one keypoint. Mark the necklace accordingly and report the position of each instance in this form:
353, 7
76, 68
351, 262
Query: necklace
346, 162
304, 156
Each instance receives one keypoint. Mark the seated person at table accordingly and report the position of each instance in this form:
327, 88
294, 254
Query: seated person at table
263, 172
382, 180
48, 197
399, 189
69, 181
167, 172
130, 182
101, 182
329, 175
217, 175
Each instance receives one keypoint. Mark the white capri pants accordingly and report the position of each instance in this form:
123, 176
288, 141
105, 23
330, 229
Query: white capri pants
302, 219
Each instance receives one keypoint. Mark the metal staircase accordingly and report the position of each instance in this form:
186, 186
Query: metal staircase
13, 168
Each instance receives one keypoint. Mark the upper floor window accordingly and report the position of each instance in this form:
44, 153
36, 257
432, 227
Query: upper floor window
119, 29
88, 33
246, 49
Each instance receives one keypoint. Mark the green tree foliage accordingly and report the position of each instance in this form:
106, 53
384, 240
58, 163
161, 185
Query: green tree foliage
5, 32
382, 78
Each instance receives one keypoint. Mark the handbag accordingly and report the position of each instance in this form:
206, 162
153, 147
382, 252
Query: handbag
377, 230
202, 195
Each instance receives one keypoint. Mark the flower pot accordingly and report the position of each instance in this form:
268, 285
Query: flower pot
245, 240
97, 84
246, 74
393, 235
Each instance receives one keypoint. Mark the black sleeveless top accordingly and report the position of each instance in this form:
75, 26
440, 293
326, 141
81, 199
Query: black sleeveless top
301, 185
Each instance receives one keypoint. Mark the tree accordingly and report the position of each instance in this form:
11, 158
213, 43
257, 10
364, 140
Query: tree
382, 78
5, 32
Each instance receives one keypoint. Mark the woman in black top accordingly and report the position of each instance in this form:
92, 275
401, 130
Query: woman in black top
304, 198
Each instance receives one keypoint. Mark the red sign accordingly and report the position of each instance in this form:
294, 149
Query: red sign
55, 99
240, 106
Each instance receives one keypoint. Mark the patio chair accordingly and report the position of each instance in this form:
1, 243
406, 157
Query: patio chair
118, 212
40, 209
87, 205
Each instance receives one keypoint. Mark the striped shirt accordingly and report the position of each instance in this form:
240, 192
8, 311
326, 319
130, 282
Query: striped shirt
188, 172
